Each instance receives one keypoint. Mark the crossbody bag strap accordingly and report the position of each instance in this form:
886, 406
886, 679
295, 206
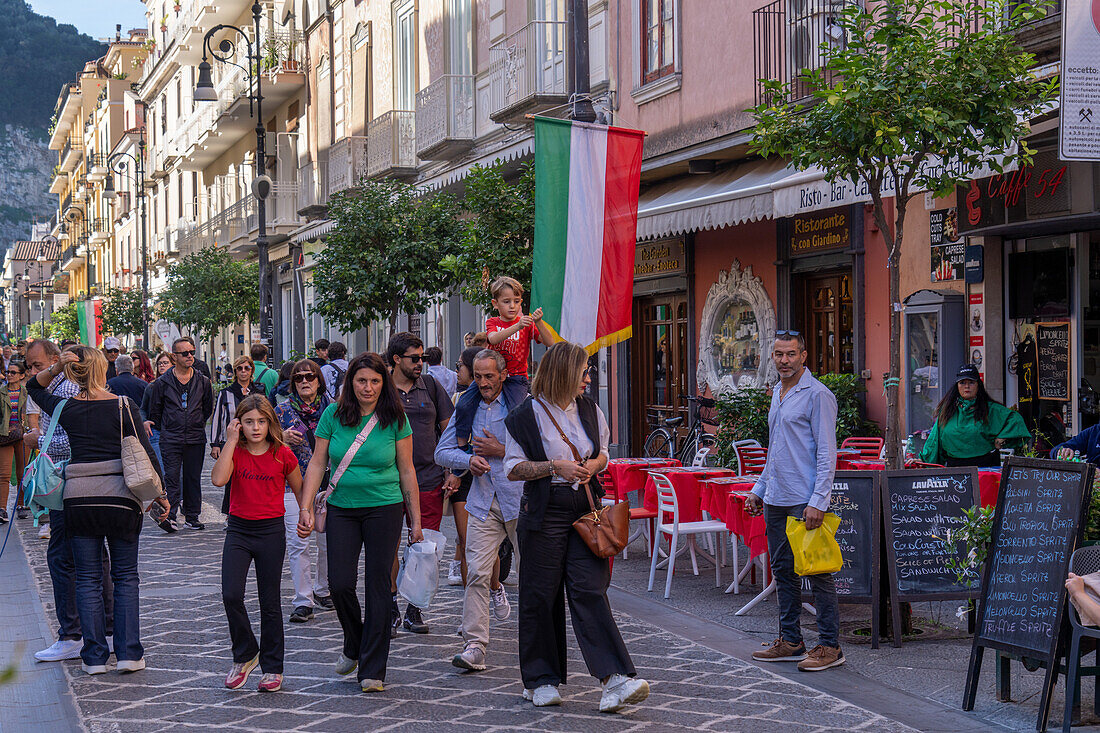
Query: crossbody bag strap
353, 449
573, 448
54, 419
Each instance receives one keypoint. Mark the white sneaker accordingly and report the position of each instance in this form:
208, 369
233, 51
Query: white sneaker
94, 668
44, 531
543, 696
454, 575
620, 691
131, 665
501, 608
61, 650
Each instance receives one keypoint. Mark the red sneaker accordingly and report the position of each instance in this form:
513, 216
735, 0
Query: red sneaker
239, 674
271, 683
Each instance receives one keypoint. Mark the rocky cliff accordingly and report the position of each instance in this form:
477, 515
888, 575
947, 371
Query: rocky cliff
25, 167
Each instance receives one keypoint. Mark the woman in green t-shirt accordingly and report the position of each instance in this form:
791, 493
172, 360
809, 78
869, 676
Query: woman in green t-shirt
364, 508
971, 427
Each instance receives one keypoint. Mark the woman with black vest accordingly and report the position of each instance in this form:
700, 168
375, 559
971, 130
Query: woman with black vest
545, 433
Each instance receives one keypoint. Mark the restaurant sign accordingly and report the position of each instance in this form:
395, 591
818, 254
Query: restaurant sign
948, 246
659, 259
821, 232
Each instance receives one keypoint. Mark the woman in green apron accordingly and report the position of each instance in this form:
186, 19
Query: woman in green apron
971, 427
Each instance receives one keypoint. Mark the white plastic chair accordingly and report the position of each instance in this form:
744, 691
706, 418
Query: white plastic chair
667, 502
700, 459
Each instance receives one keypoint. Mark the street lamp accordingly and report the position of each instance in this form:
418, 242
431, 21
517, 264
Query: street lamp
205, 92
110, 194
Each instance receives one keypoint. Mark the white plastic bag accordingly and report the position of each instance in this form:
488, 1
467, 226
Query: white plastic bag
419, 574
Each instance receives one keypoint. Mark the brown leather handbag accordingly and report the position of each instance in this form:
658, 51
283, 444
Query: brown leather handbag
604, 529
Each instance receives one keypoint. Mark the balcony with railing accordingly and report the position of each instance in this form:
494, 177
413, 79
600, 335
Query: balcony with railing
96, 166
73, 257
391, 145
59, 183
100, 229
237, 225
528, 71
71, 152
313, 189
445, 118
347, 164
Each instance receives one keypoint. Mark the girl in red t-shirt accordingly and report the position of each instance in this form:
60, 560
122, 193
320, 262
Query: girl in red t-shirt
260, 466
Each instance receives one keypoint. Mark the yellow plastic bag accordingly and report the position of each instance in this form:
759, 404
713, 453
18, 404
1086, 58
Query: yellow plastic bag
815, 551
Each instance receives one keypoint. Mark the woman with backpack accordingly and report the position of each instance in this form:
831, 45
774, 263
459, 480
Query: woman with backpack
298, 418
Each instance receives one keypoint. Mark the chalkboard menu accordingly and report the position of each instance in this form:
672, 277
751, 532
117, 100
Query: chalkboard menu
856, 501
1053, 369
1037, 526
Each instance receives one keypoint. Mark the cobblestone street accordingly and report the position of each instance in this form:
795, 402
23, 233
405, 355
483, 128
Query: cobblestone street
186, 642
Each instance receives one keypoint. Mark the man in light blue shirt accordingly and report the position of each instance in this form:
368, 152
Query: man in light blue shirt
492, 505
797, 481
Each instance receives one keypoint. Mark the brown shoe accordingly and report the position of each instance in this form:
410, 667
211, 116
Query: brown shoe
820, 658
781, 651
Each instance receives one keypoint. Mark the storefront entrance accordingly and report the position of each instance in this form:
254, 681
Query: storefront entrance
659, 361
824, 302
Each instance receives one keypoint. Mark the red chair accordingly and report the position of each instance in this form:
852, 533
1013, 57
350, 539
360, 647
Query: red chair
867, 447
751, 460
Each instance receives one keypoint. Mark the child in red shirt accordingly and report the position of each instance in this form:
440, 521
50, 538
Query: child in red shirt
260, 467
510, 333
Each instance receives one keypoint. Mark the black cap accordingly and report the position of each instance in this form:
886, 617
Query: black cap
968, 371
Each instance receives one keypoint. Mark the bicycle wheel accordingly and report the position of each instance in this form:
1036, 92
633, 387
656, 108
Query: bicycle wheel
658, 444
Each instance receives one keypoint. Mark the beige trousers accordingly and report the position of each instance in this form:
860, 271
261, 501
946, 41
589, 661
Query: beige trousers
483, 540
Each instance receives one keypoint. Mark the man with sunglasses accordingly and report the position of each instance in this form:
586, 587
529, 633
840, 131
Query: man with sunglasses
797, 481
428, 408
111, 348
180, 403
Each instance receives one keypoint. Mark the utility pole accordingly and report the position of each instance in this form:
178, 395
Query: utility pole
580, 82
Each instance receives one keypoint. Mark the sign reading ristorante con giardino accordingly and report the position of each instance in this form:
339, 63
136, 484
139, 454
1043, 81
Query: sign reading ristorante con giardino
819, 232
659, 259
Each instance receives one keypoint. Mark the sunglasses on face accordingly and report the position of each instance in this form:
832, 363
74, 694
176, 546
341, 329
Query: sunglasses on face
788, 333
191, 352
414, 358
305, 378
14, 373
244, 368
112, 351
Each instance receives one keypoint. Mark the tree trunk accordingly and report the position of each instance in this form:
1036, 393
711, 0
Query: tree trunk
893, 233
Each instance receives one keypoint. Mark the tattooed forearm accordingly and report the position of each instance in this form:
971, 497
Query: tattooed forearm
530, 471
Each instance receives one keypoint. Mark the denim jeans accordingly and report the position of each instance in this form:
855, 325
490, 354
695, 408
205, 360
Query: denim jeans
88, 559
59, 559
789, 585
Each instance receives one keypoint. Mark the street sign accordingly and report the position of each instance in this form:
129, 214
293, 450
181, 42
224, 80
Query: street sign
1079, 108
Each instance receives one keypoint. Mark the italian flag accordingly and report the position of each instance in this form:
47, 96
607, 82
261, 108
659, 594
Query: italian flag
586, 221
89, 314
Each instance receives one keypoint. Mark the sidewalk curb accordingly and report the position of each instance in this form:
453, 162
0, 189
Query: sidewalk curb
41, 698
916, 711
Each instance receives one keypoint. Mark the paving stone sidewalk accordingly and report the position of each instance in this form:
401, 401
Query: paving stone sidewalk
187, 650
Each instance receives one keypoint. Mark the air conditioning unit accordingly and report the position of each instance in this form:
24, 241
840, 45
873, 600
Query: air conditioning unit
809, 24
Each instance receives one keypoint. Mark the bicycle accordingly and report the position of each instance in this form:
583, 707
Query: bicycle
662, 441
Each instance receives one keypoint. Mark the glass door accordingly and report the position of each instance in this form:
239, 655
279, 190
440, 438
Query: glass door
660, 363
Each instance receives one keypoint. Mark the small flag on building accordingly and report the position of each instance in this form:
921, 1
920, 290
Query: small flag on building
89, 314
586, 221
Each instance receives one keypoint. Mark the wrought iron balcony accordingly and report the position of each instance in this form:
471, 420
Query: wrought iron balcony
391, 145
347, 163
445, 117
528, 71
313, 188
96, 166
73, 257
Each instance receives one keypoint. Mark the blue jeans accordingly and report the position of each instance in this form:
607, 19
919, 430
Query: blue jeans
789, 585
154, 441
88, 557
515, 391
59, 559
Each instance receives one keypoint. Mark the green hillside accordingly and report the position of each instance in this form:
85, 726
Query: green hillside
37, 56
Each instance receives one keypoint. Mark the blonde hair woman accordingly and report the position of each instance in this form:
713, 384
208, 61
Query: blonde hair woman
545, 434
98, 506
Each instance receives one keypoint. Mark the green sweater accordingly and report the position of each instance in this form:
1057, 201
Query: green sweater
964, 437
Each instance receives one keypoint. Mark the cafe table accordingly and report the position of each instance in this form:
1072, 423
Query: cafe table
685, 483
629, 474
989, 479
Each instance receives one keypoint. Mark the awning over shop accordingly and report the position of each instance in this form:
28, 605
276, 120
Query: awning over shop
739, 194
312, 230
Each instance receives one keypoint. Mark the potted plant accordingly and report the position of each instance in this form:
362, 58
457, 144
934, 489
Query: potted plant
177, 7
164, 24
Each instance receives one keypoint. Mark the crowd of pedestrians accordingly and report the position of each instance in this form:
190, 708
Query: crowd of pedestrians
342, 455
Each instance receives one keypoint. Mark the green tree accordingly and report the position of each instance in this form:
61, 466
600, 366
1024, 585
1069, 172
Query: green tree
382, 258
122, 312
209, 290
500, 228
63, 323
921, 94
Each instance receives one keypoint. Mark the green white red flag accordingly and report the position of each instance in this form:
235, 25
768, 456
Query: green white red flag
89, 314
586, 221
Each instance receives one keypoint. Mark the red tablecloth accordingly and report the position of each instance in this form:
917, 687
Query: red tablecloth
865, 465
989, 485
629, 474
685, 482
725, 500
